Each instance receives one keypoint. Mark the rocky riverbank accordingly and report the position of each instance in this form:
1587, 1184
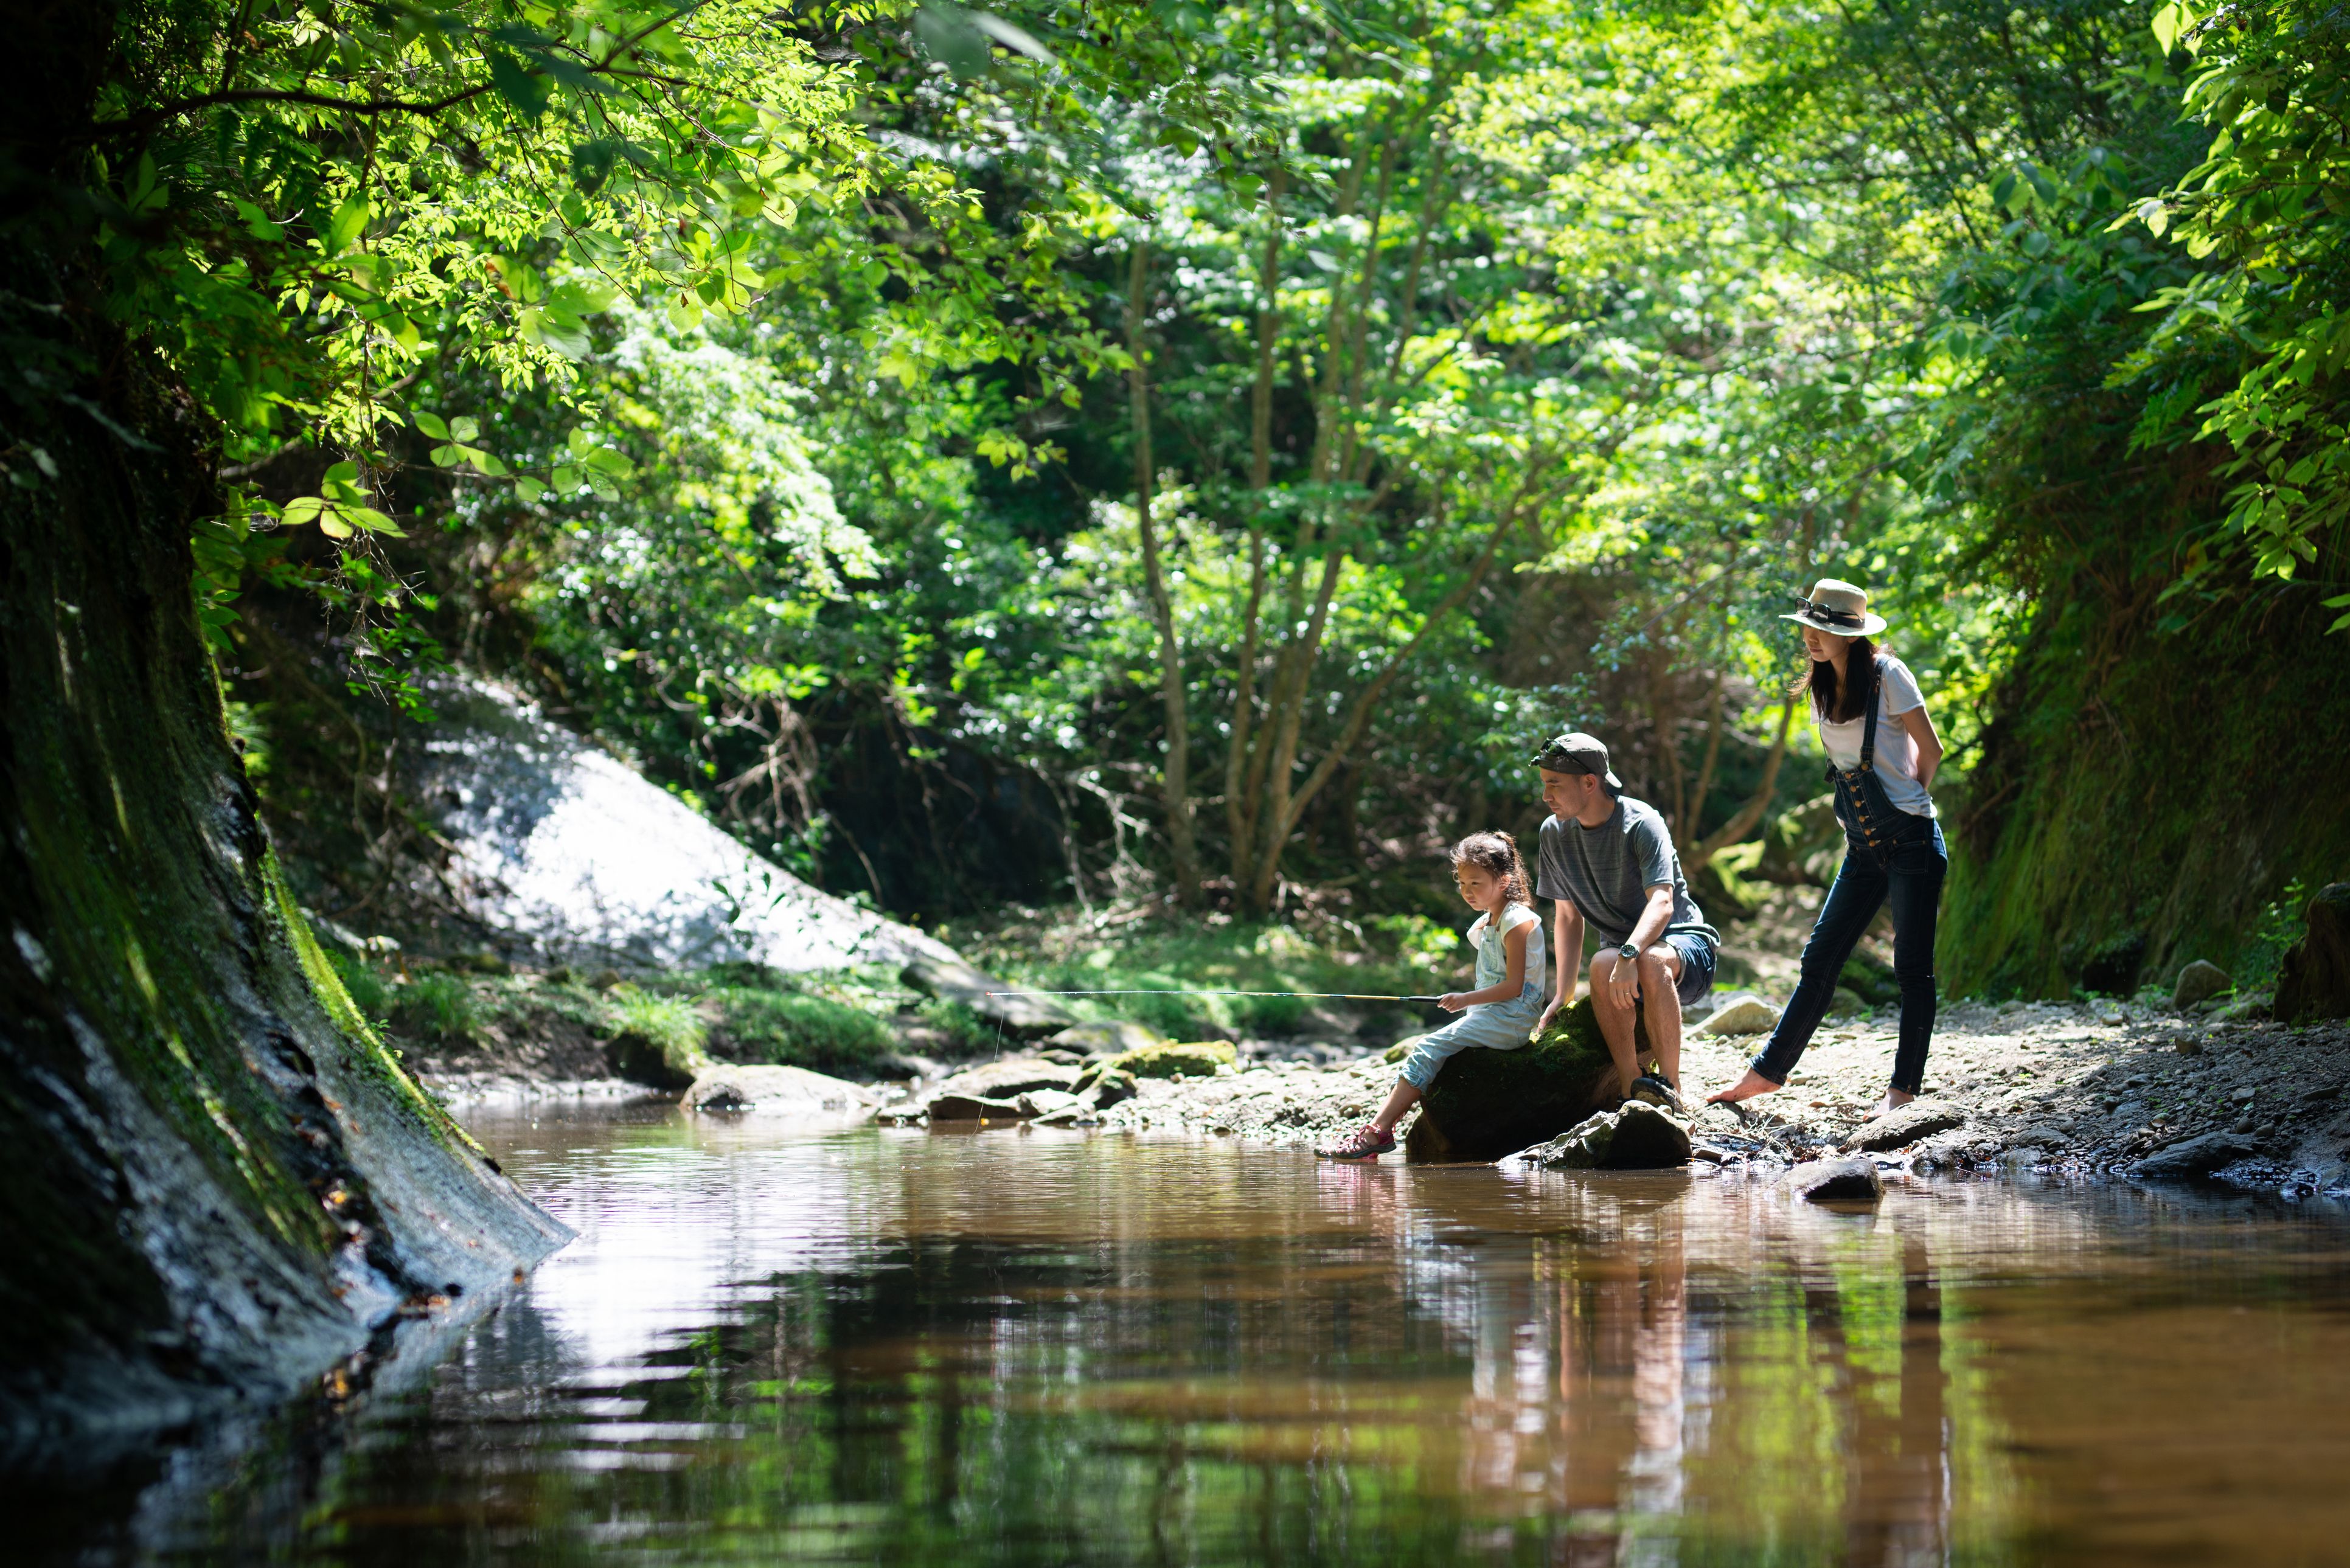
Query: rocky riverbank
2056, 1087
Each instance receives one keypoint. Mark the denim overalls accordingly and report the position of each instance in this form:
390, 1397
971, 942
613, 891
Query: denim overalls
1889, 855
1496, 1025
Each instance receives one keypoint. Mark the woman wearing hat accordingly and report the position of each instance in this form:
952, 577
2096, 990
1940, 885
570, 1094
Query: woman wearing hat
1882, 754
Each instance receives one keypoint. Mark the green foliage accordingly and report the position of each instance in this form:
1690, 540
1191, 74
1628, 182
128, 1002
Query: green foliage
671, 1026
2279, 925
1069, 951
966, 1031
794, 1029
2270, 204
438, 1005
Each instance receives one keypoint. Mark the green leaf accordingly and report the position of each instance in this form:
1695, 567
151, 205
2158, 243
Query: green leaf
527, 91
302, 509
2165, 23
584, 296
949, 35
371, 520
447, 456
431, 425
1010, 37
556, 330
611, 462
464, 427
349, 219
567, 479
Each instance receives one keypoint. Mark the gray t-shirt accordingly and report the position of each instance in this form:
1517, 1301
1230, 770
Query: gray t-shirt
1606, 871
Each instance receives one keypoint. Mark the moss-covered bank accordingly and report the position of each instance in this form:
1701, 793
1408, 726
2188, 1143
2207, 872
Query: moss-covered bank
2149, 794
214, 1181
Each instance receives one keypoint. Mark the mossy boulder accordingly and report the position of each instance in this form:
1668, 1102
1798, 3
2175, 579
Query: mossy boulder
1174, 1059
1489, 1104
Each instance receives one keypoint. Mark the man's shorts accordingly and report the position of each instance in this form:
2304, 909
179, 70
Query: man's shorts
1697, 964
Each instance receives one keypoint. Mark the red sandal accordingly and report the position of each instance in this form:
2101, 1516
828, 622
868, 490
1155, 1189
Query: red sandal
1366, 1142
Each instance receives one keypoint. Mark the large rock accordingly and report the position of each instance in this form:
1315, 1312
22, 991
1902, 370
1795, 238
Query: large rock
951, 978
1637, 1136
775, 1091
2199, 983
1176, 1059
1107, 1039
1834, 1181
2195, 1156
1740, 1012
1486, 1104
555, 842
978, 1108
1916, 1120
1011, 1078
2315, 979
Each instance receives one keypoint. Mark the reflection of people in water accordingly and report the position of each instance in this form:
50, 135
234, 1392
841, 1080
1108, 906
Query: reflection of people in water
1622, 1328
1897, 1495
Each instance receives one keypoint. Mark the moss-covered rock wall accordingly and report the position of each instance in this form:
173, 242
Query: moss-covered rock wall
2148, 792
214, 1182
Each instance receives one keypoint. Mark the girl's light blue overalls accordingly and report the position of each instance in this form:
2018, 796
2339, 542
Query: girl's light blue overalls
1495, 1025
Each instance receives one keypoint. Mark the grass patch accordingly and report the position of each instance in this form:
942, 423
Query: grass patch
793, 1030
658, 1036
434, 1005
1065, 950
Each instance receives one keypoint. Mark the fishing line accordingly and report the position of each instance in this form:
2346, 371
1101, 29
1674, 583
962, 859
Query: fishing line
1298, 995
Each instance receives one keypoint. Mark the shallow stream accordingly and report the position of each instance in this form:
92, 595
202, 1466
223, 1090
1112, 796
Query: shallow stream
779, 1343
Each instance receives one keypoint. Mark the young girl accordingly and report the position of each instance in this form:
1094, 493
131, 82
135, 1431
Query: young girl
1501, 1013
1882, 754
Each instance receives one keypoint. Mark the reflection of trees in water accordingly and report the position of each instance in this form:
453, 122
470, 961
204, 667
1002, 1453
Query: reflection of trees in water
1164, 1363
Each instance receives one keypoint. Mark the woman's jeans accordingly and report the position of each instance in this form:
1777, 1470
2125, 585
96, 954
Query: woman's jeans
1908, 875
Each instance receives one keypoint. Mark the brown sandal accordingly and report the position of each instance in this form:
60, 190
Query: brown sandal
1366, 1142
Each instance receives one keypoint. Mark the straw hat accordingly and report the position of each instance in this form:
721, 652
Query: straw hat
1838, 608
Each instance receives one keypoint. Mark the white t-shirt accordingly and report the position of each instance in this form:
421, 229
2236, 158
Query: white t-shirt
1897, 754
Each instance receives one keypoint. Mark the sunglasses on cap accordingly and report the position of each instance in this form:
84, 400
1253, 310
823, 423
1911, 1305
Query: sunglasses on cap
1830, 613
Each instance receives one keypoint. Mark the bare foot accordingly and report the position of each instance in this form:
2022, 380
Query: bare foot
1746, 1088
1893, 1101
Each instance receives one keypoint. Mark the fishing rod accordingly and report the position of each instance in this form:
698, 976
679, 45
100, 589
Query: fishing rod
1298, 995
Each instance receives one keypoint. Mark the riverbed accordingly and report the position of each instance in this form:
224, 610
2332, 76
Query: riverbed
784, 1341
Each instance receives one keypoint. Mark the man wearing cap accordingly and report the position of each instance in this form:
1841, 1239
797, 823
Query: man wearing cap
1608, 860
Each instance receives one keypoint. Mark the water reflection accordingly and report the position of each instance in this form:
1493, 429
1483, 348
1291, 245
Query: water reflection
1031, 1348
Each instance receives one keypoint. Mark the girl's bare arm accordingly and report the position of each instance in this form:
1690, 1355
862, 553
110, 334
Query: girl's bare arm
1921, 730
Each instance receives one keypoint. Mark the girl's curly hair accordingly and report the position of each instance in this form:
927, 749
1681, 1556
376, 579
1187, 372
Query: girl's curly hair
1496, 854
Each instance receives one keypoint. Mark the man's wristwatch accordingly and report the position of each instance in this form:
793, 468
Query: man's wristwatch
1629, 952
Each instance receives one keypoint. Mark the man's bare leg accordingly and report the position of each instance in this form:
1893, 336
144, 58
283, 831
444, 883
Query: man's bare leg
1661, 974
1615, 1023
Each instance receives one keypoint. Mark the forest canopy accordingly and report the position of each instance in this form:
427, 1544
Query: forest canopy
1066, 449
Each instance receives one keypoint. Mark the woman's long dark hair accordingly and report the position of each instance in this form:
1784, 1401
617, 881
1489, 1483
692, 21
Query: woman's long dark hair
1839, 706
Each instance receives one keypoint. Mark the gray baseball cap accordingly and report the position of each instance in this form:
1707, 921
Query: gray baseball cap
1576, 752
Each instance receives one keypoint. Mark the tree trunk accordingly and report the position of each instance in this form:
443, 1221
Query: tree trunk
1744, 820
1175, 781
214, 1180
